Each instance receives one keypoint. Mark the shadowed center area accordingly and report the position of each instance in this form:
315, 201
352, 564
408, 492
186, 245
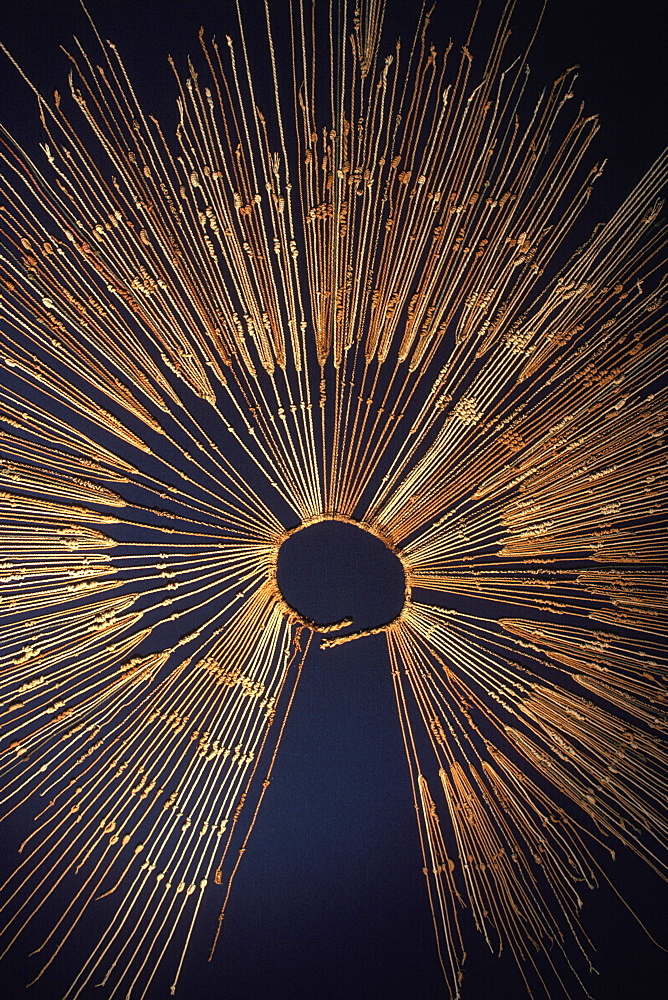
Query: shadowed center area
332, 570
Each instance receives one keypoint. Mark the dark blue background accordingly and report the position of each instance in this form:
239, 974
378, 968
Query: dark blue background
329, 902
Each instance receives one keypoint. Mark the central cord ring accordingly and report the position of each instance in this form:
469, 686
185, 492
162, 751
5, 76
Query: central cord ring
316, 570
